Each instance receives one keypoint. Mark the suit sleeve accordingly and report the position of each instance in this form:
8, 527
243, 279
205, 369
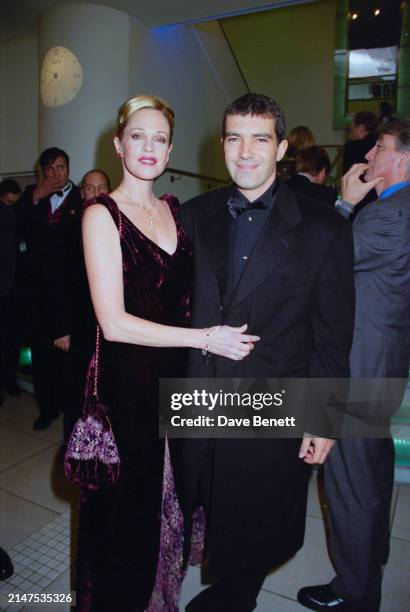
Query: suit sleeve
378, 234
333, 309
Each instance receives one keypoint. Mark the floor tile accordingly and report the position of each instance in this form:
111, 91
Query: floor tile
315, 496
310, 565
191, 586
20, 518
19, 414
41, 480
401, 519
396, 585
16, 446
269, 602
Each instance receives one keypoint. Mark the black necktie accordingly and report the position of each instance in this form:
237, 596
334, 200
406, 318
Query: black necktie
237, 206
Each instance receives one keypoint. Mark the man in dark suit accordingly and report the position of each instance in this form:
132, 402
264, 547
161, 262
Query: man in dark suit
359, 474
53, 215
312, 167
263, 256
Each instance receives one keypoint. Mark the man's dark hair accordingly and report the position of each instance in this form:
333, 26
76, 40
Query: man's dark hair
400, 129
105, 175
312, 160
49, 156
259, 105
9, 186
368, 119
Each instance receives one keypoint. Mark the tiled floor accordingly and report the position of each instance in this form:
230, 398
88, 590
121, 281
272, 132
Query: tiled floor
38, 516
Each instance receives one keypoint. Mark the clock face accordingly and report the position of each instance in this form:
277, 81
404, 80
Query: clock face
61, 77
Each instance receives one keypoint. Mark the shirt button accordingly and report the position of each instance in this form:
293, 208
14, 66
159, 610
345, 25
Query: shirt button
244, 257
249, 219
220, 307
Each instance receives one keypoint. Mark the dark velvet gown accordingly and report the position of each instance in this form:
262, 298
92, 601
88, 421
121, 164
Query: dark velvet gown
121, 527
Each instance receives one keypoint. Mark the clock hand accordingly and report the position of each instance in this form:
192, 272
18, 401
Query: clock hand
62, 91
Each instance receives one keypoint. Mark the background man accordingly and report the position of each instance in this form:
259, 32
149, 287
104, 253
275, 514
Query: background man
266, 257
362, 138
94, 182
312, 167
359, 473
53, 215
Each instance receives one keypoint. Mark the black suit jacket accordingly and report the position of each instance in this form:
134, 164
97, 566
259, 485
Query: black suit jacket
297, 294
322, 193
7, 247
54, 253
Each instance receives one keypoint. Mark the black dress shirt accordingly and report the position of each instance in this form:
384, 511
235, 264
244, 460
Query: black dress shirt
247, 228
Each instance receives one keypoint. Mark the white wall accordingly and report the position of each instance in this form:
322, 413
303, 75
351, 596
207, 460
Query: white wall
288, 54
99, 37
19, 105
192, 68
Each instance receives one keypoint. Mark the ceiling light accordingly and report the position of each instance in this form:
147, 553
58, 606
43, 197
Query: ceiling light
377, 12
354, 16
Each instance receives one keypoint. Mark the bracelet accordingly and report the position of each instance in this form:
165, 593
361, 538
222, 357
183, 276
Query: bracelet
205, 349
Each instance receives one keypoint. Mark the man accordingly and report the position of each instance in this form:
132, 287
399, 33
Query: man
9, 194
93, 183
363, 136
263, 256
359, 473
312, 167
53, 214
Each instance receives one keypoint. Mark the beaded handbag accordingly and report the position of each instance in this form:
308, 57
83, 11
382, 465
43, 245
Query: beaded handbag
92, 460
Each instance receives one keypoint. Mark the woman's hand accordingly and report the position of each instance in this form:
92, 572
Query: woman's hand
230, 342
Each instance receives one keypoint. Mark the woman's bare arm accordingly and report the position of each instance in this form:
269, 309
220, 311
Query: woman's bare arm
103, 260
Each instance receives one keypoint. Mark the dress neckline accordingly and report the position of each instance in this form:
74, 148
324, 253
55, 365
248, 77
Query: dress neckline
126, 217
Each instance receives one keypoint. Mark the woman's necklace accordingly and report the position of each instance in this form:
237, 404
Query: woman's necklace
148, 209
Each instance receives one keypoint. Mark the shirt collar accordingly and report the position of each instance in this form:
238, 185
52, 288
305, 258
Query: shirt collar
266, 197
392, 189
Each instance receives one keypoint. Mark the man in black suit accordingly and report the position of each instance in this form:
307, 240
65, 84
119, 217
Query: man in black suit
266, 257
53, 215
312, 167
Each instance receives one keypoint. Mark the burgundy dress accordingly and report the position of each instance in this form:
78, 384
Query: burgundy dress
119, 556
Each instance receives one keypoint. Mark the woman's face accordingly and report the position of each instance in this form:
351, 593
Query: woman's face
144, 145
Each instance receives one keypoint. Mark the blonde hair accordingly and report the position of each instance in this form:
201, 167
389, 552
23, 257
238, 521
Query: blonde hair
136, 103
299, 138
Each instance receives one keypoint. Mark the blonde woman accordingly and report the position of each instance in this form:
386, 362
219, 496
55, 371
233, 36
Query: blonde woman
139, 268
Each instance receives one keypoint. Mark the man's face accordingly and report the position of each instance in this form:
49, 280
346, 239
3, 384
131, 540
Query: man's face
10, 198
95, 183
357, 131
251, 152
384, 160
58, 169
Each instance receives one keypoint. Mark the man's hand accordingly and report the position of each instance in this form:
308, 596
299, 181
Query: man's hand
352, 188
63, 343
315, 450
45, 187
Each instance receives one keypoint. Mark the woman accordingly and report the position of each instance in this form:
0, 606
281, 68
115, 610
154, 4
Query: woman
139, 268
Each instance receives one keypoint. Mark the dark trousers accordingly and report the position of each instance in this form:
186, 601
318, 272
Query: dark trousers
54, 378
10, 340
359, 476
236, 592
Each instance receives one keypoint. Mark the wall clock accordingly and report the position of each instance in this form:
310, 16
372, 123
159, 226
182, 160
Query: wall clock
61, 77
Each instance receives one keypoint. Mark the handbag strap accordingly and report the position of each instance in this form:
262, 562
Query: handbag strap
98, 335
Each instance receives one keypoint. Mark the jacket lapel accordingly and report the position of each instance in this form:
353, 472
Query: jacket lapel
276, 241
217, 240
